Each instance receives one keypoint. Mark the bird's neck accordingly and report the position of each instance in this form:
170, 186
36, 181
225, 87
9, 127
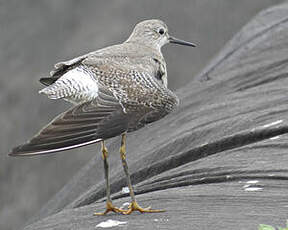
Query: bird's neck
144, 43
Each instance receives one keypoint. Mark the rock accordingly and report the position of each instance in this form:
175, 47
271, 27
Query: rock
218, 162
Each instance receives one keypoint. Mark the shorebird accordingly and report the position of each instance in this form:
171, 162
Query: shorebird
115, 90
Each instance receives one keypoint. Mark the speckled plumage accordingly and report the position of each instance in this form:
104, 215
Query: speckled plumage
115, 90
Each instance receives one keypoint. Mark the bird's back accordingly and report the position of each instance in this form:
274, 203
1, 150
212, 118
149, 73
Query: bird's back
133, 73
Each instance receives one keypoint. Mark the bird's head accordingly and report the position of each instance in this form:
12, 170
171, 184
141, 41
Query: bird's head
154, 33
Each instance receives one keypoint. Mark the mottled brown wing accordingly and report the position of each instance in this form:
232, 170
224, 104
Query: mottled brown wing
83, 124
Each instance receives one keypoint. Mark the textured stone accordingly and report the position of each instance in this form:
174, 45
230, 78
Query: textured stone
197, 163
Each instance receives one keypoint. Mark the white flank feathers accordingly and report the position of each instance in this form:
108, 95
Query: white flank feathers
77, 85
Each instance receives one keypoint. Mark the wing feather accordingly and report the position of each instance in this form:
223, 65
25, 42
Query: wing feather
83, 124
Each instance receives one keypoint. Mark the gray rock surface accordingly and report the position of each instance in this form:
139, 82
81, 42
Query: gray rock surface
37, 34
218, 162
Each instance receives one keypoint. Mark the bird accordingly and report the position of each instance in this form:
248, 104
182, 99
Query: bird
113, 91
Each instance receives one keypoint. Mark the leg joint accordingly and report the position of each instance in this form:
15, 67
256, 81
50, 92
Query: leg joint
104, 150
123, 147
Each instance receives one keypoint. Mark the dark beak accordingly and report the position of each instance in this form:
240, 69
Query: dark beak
180, 42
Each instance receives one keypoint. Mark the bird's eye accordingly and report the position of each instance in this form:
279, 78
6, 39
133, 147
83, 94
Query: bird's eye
161, 31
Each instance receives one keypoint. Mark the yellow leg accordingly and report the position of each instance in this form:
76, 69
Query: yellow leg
134, 205
109, 206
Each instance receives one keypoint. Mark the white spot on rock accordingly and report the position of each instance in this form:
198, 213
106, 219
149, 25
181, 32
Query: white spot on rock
252, 181
253, 189
125, 190
110, 223
124, 205
274, 138
160, 220
251, 186
273, 123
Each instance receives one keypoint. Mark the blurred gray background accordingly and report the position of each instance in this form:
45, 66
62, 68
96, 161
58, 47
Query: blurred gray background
36, 34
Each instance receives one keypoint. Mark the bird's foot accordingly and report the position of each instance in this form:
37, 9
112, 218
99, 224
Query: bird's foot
134, 206
110, 208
